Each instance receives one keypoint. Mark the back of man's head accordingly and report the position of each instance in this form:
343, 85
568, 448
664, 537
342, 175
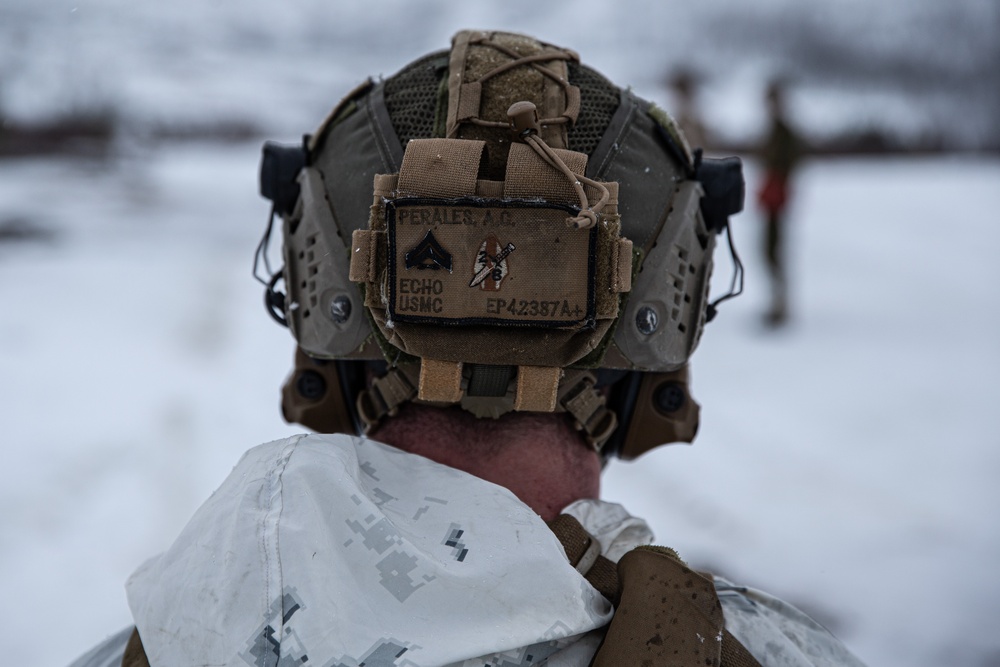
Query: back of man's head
497, 230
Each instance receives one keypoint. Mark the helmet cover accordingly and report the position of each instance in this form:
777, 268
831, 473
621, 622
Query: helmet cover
505, 230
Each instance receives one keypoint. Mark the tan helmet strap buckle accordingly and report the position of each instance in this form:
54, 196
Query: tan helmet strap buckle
591, 415
383, 398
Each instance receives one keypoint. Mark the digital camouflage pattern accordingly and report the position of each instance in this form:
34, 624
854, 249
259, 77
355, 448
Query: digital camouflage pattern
471, 548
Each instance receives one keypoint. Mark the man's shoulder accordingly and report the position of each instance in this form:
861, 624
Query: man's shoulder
777, 632
307, 448
269, 449
301, 443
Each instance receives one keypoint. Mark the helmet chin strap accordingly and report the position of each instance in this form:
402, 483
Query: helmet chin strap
577, 396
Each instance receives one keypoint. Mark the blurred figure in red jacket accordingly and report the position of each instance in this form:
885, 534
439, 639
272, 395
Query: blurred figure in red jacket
779, 154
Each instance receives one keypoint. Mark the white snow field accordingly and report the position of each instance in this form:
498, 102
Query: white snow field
846, 463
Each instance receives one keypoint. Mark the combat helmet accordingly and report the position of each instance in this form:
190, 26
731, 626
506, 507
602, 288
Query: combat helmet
498, 227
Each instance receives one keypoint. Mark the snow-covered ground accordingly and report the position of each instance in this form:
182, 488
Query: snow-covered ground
845, 463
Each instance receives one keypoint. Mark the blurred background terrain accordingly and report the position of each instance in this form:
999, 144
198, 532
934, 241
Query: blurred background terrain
846, 462
899, 76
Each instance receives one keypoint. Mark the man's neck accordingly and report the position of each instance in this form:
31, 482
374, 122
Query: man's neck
538, 457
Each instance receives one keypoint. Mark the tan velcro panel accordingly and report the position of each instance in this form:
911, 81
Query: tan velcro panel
537, 388
489, 189
621, 266
445, 168
440, 381
593, 195
386, 185
469, 96
456, 78
530, 177
364, 254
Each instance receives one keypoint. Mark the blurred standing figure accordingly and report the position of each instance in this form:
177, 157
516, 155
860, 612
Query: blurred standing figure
779, 155
684, 83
